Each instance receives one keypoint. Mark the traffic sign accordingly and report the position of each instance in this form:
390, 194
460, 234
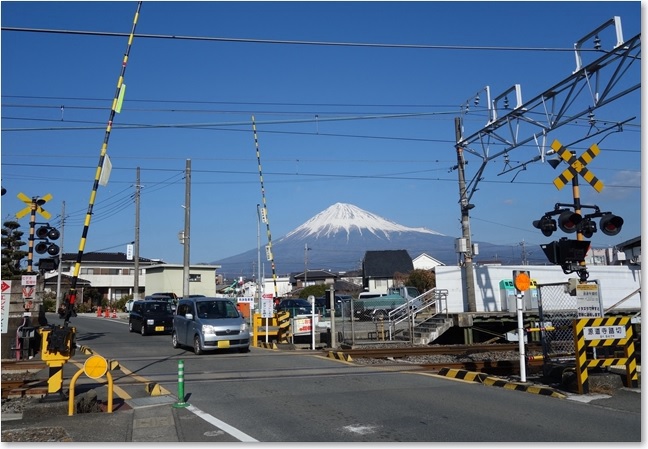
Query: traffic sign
39, 203
577, 166
28, 292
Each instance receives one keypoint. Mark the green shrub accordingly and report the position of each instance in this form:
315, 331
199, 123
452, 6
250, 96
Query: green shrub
49, 305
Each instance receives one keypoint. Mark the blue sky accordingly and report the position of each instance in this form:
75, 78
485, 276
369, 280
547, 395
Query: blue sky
363, 124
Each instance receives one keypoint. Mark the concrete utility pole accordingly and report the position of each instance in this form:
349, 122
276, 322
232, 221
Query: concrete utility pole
136, 255
467, 265
187, 227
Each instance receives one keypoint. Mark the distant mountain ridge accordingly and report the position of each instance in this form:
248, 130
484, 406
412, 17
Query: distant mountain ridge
337, 238
342, 217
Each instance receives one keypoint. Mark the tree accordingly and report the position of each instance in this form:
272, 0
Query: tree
317, 291
423, 280
12, 255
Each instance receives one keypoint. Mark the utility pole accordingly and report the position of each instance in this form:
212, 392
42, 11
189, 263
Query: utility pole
60, 259
187, 227
524, 253
306, 248
467, 265
136, 255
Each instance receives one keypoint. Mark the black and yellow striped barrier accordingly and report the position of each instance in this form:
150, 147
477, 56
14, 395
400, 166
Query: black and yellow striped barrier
604, 333
535, 389
339, 356
462, 374
85, 350
276, 328
496, 382
154, 389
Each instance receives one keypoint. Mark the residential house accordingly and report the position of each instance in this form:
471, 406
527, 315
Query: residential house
113, 275
313, 277
426, 262
379, 268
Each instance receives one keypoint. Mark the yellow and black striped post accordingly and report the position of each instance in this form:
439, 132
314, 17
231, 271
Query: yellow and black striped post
604, 333
116, 105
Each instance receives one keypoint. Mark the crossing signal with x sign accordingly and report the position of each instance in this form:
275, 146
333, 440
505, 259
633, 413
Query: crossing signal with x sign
577, 166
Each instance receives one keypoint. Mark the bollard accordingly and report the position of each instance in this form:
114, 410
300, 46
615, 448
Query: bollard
181, 395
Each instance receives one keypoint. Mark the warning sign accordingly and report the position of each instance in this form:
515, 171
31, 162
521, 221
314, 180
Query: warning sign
6, 290
588, 301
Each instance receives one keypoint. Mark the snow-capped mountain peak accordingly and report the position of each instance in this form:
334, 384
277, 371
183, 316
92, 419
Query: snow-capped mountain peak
346, 218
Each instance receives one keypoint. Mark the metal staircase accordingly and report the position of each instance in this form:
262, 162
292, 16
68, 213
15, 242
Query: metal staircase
421, 320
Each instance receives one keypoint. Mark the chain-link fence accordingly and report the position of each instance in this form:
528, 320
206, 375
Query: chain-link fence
362, 320
557, 310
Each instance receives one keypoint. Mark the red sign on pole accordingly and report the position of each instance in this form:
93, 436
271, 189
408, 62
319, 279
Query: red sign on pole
28, 292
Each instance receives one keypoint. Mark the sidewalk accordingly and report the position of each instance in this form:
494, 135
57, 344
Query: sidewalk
151, 419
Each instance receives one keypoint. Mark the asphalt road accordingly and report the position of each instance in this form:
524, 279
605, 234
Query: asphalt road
302, 396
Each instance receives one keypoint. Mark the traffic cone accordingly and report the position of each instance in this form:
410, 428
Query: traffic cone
107, 313
114, 313
98, 310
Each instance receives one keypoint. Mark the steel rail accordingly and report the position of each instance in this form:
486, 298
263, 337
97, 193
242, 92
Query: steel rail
399, 352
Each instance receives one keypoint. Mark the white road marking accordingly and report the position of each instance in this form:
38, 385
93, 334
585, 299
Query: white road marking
361, 430
241, 436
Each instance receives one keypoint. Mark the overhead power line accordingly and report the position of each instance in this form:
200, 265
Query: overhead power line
288, 42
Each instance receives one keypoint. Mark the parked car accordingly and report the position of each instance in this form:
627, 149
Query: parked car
150, 317
209, 323
295, 307
168, 294
129, 305
323, 305
162, 297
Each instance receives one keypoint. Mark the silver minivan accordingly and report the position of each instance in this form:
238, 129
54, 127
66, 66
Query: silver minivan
209, 323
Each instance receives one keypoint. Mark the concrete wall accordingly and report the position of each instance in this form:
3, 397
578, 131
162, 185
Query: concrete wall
615, 281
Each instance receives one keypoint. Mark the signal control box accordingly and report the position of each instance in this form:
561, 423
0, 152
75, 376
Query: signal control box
58, 343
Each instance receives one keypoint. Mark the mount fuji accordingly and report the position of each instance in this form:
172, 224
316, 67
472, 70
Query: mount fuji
337, 238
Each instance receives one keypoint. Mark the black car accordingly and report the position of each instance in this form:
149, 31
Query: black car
295, 307
163, 297
151, 317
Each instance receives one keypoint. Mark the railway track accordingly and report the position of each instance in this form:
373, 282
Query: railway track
19, 377
495, 359
400, 351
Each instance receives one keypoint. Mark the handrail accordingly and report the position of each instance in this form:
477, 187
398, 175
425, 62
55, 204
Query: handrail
437, 298
613, 306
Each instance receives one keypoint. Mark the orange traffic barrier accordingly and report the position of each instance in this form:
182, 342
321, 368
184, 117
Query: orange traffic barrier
99, 311
107, 313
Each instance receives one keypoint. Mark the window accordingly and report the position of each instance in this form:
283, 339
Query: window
194, 278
